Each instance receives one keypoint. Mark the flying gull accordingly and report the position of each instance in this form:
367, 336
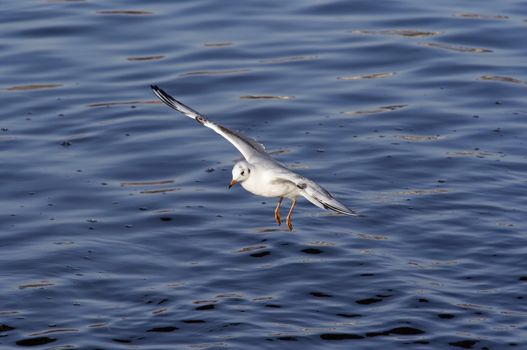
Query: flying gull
260, 174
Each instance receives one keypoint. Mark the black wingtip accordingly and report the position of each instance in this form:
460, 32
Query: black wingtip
340, 210
163, 96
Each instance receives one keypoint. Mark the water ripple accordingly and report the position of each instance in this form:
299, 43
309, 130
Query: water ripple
117, 227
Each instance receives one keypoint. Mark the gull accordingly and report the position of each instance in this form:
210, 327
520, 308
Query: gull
260, 174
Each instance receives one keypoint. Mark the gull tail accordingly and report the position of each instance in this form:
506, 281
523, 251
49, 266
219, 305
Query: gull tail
323, 199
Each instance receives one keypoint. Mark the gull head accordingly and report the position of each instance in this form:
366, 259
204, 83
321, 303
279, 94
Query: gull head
240, 172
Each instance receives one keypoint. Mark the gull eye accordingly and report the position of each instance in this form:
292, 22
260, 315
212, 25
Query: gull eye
243, 172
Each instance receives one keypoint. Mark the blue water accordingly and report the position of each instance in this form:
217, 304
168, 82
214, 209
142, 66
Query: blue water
117, 230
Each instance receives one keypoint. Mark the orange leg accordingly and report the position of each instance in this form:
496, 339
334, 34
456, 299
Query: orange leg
293, 203
277, 211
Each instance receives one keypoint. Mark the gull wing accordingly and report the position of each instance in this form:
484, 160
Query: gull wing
316, 194
247, 146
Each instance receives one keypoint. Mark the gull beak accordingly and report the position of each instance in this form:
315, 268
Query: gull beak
233, 182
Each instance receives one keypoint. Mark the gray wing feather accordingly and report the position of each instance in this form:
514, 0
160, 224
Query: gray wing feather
247, 146
317, 195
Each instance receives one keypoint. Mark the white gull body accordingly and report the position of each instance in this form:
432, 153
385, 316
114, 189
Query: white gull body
259, 173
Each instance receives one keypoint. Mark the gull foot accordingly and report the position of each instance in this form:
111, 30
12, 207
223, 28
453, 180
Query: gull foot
277, 211
293, 203
277, 218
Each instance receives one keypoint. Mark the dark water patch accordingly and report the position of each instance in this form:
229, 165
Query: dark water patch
273, 306
349, 315
446, 316
35, 341
165, 329
466, 344
260, 254
396, 331
287, 338
193, 321
311, 251
205, 307
320, 294
340, 336
368, 301
122, 341
6, 328
232, 324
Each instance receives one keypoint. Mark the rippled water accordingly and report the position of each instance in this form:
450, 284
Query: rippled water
117, 230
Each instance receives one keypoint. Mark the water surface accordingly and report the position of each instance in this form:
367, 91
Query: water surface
118, 231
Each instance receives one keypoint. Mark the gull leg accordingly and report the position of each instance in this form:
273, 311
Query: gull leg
277, 211
293, 203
